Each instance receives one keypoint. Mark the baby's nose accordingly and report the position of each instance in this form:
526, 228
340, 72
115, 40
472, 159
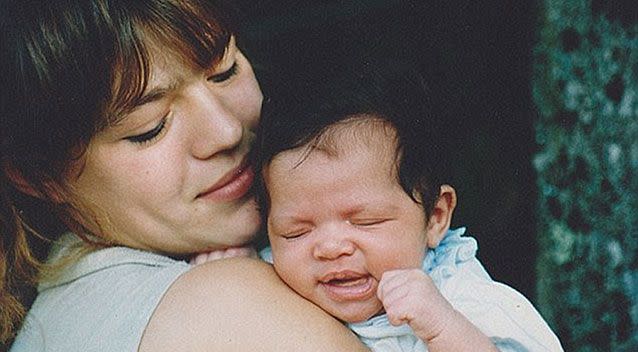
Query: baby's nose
333, 246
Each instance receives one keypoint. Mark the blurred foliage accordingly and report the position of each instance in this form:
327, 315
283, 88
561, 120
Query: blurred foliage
586, 90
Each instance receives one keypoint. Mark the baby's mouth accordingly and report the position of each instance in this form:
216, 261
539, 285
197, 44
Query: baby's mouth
348, 282
348, 286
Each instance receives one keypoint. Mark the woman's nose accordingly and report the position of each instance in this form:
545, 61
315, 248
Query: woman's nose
333, 246
216, 128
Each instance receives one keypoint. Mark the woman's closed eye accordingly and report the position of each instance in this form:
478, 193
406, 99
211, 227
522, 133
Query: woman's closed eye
226, 75
151, 135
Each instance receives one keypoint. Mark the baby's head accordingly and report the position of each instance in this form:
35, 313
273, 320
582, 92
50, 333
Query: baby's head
350, 188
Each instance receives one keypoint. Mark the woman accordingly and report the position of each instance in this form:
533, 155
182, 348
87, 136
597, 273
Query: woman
130, 121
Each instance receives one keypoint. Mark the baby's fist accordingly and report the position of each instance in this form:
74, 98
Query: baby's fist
410, 296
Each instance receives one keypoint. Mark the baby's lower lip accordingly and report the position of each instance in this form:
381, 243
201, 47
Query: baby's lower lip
355, 289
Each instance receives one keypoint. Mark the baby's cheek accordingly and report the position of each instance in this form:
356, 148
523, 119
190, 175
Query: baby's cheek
395, 262
294, 276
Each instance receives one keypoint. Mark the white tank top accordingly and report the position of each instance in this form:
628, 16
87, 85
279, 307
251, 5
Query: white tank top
101, 303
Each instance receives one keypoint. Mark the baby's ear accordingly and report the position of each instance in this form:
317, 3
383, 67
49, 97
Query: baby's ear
441, 216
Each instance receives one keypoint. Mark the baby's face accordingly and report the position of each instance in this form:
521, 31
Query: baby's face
337, 222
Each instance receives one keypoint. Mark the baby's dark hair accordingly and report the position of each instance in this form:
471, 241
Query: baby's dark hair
304, 109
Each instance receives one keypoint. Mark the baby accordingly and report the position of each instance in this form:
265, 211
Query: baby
358, 219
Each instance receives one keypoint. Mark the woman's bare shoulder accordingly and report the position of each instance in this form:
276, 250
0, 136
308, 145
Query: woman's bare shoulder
240, 304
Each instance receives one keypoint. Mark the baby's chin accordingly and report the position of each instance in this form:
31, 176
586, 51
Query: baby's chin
356, 314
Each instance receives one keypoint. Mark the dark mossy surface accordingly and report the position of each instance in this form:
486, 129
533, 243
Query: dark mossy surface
586, 91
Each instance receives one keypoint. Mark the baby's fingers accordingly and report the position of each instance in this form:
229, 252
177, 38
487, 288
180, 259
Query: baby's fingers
399, 318
398, 305
198, 259
204, 257
223, 254
392, 279
240, 252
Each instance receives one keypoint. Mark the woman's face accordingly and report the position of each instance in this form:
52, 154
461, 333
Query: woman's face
172, 176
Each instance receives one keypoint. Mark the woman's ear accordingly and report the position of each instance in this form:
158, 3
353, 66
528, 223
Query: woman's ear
441, 216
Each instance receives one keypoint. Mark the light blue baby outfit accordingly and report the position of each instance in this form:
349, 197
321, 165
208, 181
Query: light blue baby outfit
498, 310
101, 303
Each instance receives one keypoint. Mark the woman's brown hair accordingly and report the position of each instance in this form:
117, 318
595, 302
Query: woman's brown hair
71, 68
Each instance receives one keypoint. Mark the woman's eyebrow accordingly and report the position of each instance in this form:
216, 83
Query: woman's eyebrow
149, 97
155, 94
152, 95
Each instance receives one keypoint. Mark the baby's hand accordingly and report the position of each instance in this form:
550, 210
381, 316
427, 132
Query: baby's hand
410, 296
222, 254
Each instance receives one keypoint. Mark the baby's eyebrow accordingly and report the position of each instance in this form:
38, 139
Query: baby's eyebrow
286, 226
284, 220
375, 208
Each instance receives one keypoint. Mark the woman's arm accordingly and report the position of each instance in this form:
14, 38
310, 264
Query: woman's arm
240, 304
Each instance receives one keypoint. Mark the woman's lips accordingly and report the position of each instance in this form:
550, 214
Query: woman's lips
232, 186
349, 287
